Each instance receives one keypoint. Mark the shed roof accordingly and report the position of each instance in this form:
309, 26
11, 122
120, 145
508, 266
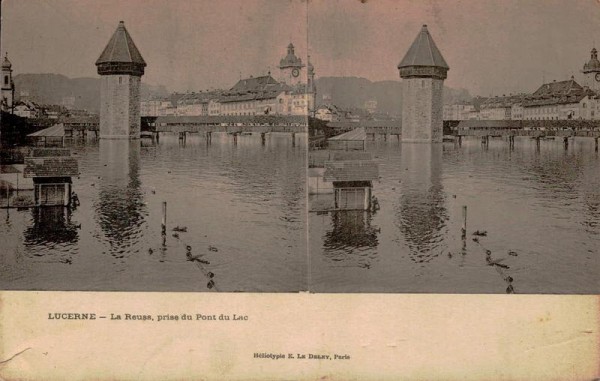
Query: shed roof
57, 166
355, 170
58, 130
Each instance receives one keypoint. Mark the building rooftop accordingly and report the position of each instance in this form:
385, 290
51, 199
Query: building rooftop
558, 92
423, 52
254, 84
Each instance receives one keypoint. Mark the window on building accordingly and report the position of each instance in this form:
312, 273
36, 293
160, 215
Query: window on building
6, 79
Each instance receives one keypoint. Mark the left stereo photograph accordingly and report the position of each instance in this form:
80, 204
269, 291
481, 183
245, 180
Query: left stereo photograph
162, 150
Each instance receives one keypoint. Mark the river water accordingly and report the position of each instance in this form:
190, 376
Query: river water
243, 206
540, 210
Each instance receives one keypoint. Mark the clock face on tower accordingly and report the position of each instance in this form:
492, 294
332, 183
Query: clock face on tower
296, 73
598, 77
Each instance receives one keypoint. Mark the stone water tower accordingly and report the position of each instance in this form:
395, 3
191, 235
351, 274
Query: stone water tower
423, 70
121, 67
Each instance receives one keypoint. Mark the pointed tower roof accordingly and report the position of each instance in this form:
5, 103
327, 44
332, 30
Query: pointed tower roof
423, 52
121, 56
423, 59
593, 65
290, 60
6, 65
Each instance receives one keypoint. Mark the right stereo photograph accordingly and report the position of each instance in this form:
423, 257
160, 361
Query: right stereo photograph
454, 149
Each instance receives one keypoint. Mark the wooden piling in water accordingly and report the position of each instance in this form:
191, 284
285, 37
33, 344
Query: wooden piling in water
596, 144
263, 138
566, 142
293, 139
463, 230
164, 218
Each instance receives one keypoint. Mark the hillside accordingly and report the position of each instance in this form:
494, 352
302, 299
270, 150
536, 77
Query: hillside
350, 92
53, 88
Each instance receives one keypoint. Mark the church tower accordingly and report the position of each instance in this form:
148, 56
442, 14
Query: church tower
591, 72
8, 87
423, 70
290, 68
121, 67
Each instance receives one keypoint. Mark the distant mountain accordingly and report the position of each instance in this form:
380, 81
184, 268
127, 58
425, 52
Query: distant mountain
57, 88
348, 92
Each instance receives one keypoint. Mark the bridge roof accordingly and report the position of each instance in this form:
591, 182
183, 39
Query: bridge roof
121, 48
234, 119
357, 134
423, 52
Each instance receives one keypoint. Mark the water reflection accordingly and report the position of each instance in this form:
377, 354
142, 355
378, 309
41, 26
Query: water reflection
120, 209
52, 228
421, 214
351, 233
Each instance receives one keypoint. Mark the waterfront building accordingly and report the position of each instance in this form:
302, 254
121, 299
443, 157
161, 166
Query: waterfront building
194, 103
257, 96
26, 109
371, 106
327, 112
423, 70
8, 86
51, 167
214, 107
350, 171
121, 67
460, 112
502, 108
557, 100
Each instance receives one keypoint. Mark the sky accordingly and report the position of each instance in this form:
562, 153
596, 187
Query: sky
492, 46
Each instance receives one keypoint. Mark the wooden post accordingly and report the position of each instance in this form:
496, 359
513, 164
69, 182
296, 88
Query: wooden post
293, 139
537, 143
464, 224
459, 140
164, 218
596, 144
263, 138
566, 142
